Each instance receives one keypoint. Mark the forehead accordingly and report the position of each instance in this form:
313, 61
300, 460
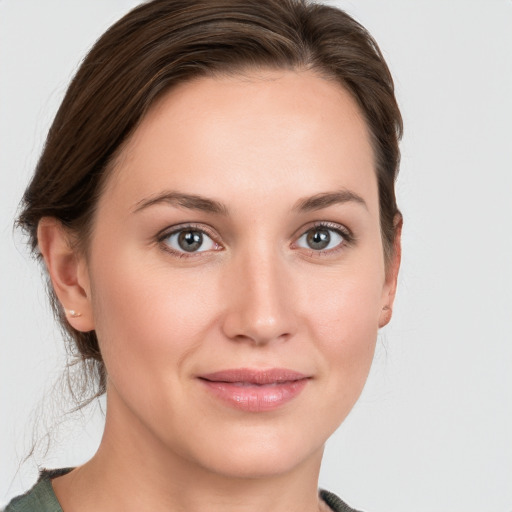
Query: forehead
257, 133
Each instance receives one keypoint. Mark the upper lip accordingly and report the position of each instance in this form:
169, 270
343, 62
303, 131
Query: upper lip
254, 376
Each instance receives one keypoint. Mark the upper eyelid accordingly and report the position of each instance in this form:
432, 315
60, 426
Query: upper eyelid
170, 230
331, 225
335, 226
208, 229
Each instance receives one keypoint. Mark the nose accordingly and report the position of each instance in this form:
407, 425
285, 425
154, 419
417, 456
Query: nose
260, 300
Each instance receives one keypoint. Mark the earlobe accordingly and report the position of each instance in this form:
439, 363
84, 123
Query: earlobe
392, 275
385, 316
68, 273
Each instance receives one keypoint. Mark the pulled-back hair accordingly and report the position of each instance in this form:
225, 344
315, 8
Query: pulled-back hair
166, 42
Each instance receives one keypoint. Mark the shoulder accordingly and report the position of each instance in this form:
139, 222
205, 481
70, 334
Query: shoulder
40, 498
335, 504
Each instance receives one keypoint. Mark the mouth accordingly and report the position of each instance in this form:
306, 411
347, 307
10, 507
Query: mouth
255, 390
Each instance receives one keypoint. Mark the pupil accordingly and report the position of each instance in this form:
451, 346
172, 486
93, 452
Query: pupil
318, 239
190, 240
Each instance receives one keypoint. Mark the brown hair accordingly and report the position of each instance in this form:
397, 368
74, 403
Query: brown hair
164, 42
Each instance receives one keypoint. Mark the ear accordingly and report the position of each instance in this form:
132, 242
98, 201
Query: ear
68, 273
389, 290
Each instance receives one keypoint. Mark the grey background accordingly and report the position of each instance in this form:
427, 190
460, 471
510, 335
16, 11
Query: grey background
433, 429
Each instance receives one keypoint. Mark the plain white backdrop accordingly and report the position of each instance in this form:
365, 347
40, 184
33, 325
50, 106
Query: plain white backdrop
432, 431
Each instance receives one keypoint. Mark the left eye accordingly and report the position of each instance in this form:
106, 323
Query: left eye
190, 240
320, 238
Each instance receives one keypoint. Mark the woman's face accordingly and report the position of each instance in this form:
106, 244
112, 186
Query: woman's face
236, 272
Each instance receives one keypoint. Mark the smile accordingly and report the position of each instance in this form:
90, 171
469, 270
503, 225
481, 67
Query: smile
255, 390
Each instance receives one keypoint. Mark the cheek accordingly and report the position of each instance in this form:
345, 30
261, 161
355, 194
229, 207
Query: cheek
345, 323
350, 317
147, 317
347, 301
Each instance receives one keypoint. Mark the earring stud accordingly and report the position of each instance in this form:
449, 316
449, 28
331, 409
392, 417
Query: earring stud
73, 313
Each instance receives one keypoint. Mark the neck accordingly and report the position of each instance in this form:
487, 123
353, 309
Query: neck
133, 470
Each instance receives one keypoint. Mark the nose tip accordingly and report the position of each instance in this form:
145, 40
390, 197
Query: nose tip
260, 306
258, 331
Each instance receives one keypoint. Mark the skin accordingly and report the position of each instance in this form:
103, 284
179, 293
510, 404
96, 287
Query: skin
256, 296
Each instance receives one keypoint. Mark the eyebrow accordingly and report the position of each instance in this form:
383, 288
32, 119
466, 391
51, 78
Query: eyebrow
326, 199
205, 204
190, 201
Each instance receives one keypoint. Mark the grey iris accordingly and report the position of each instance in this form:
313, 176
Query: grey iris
190, 241
318, 239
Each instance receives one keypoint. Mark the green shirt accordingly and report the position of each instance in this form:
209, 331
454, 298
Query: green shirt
41, 497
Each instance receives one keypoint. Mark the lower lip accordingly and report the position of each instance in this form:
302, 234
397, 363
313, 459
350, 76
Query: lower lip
256, 398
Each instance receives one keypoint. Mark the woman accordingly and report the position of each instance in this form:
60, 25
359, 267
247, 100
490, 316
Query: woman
215, 209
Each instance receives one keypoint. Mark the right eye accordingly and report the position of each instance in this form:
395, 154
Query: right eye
189, 240
325, 238
321, 238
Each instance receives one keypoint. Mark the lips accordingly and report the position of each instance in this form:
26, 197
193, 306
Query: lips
255, 390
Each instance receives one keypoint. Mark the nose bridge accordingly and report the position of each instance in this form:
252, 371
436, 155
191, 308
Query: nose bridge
260, 306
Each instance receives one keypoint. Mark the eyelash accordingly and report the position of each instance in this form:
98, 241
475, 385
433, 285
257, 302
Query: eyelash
347, 239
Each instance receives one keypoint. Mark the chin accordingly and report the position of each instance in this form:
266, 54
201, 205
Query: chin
259, 456
261, 465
